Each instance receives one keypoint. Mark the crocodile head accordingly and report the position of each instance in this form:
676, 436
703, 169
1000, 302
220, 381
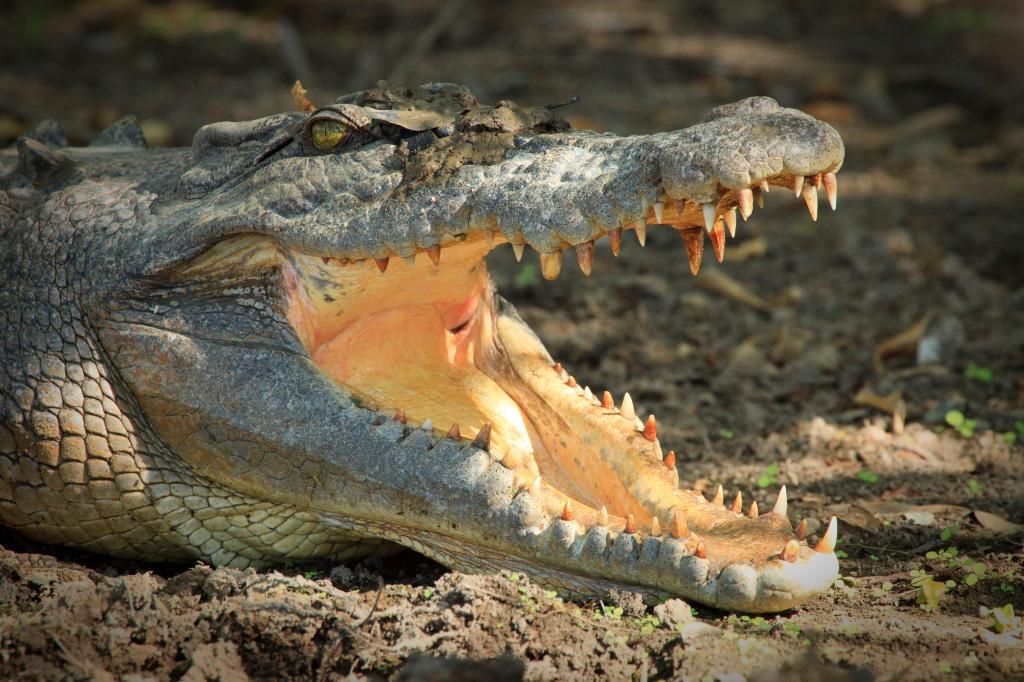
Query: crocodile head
303, 315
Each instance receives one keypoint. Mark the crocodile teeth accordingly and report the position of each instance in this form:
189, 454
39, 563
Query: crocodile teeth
801, 530
745, 197
382, 263
780, 503
659, 212
701, 552
483, 437
718, 241
602, 517
760, 195
737, 502
453, 433
627, 410
753, 510
694, 240
764, 187
817, 181
428, 425
827, 543
585, 257
798, 185
535, 487
571, 382
551, 264
400, 416
709, 217
678, 529
791, 551
730, 221
811, 199
615, 240
630, 524
655, 527
641, 234
567, 510
588, 394
607, 401
651, 429
434, 254
670, 460
831, 189
410, 261
719, 496
518, 249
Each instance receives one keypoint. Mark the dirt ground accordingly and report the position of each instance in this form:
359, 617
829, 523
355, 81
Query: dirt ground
793, 362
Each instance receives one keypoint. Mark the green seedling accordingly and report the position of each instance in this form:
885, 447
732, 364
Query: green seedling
930, 592
978, 373
867, 476
1003, 618
649, 624
882, 591
608, 612
1009, 437
949, 531
426, 593
973, 487
960, 423
726, 434
791, 629
769, 476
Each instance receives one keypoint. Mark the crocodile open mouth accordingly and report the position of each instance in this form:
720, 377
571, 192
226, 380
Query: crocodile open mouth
426, 340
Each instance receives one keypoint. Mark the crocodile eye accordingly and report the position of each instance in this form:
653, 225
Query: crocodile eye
329, 134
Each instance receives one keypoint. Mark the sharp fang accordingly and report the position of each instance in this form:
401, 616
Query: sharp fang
679, 529
400, 417
627, 410
489, 237
641, 234
434, 254
518, 250
719, 496
764, 186
780, 503
737, 502
585, 257
483, 437
382, 263
801, 531
602, 517
730, 221
701, 552
615, 240
798, 185
535, 487
630, 524
551, 264
571, 382
670, 460
831, 189
659, 211
753, 510
607, 401
811, 199
588, 394
827, 543
655, 527
709, 217
410, 261
651, 429
760, 198
718, 241
453, 433
817, 181
428, 425
567, 510
694, 240
511, 460
745, 197
791, 551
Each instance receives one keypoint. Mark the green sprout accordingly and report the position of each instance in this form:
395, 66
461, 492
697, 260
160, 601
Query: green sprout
1003, 619
930, 592
962, 425
726, 434
978, 373
867, 476
769, 476
949, 531
649, 624
973, 487
609, 612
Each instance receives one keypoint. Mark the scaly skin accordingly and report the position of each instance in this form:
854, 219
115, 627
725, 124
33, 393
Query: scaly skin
202, 360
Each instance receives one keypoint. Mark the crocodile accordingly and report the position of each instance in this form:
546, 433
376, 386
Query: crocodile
283, 343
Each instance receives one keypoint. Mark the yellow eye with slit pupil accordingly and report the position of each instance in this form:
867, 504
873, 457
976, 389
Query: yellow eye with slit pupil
328, 134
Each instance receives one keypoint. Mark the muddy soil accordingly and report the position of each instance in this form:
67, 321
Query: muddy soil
774, 367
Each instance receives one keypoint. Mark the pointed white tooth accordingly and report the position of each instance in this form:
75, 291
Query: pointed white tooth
644, 206
730, 221
588, 394
627, 410
637, 424
602, 518
655, 527
764, 186
535, 487
641, 234
709, 217
827, 543
518, 250
428, 425
831, 189
659, 211
811, 199
410, 260
781, 503
798, 186
745, 197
